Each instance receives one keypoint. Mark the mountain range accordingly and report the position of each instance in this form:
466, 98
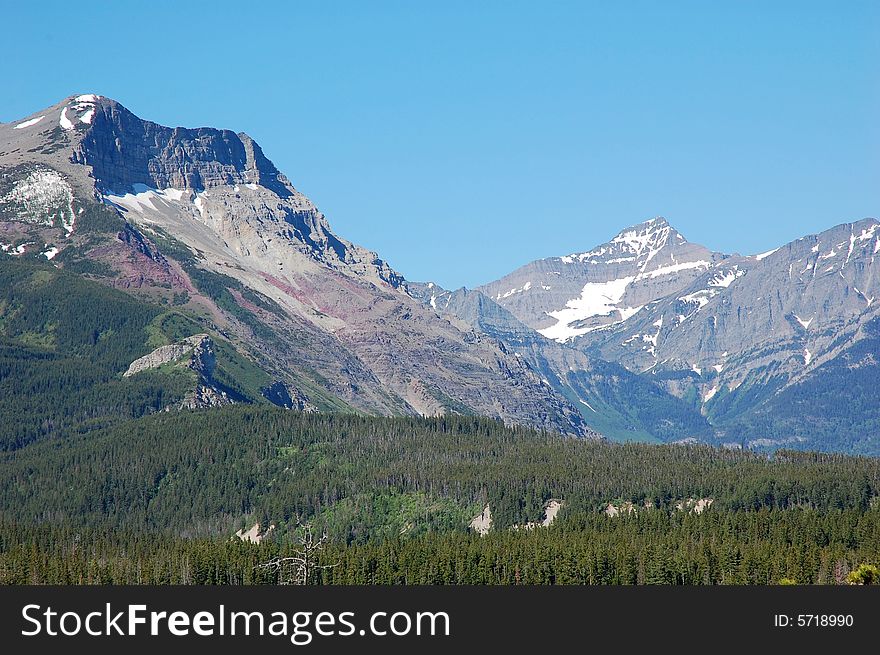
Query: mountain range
210, 264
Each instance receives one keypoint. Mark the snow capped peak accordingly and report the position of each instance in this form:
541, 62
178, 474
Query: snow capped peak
652, 234
639, 242
656, 223
616, 280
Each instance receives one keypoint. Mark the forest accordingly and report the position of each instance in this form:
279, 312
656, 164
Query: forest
158, 500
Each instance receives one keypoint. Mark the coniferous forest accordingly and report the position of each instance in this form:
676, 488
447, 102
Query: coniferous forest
158, 499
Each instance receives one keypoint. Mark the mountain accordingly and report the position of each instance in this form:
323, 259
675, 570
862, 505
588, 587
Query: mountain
199, 236
564, 297
773, 349
199, 222
197, 374
759, 342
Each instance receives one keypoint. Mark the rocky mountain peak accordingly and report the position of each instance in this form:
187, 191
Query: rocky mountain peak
124, 150
210, 188
655, 229
639, 244
566, 297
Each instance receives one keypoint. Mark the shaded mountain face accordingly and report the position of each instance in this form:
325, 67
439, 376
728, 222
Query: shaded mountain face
611, 399
201, 221
565, 297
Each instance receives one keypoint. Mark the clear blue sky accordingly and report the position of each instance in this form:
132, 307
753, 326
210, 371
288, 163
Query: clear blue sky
461, 142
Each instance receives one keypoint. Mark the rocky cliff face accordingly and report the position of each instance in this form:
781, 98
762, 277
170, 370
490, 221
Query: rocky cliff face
288, 396
199, 348
123, 150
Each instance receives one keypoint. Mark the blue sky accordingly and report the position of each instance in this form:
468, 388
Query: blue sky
461, 142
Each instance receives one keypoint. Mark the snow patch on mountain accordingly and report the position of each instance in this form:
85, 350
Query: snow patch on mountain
764, 255
144, 198
507, 294
43, 197
64, 121
672, 268
596, 299
20, 249
699, 298
696, 300
724, 279
28, 123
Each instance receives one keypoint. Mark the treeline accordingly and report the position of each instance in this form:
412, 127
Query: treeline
204, 473
655, 547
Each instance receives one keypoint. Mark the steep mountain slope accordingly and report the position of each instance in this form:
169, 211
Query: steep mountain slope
200, 218
612, 400
564, 297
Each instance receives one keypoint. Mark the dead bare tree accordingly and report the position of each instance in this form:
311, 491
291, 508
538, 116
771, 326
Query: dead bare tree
299, 568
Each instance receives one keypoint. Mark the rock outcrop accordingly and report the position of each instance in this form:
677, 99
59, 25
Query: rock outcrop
199, 348
482, 522
197, 354
551, 509
255, 534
